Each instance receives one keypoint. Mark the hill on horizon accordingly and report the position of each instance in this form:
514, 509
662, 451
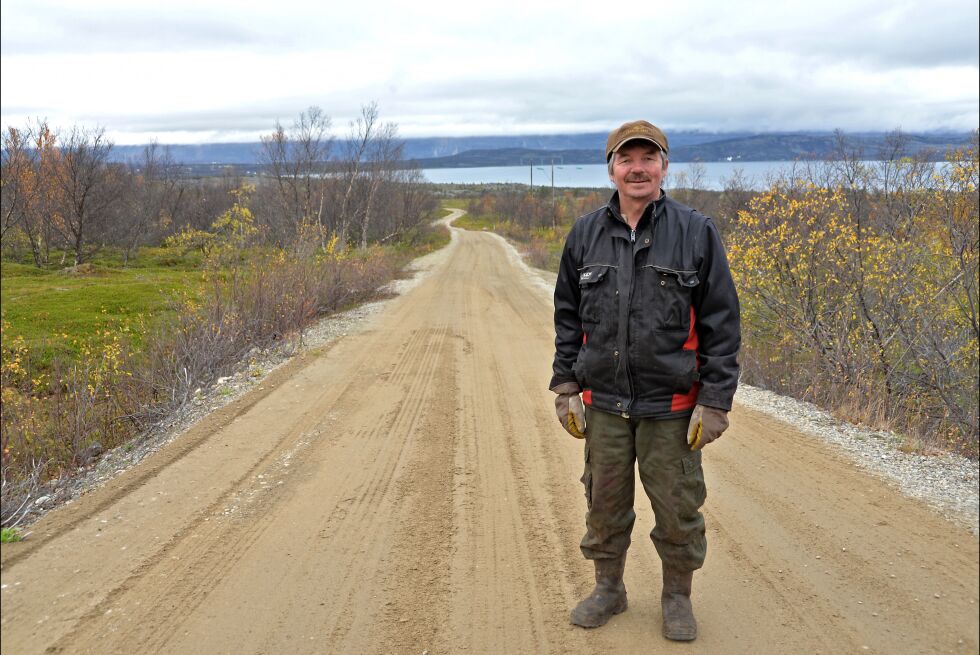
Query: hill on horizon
685, 146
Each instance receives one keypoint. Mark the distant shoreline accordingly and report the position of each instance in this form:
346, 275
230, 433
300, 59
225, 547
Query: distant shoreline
585, 149
714, 176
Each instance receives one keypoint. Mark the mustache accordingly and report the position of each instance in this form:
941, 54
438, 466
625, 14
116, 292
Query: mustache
637, 178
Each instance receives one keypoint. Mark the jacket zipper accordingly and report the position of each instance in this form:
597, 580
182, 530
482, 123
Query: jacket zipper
629, 304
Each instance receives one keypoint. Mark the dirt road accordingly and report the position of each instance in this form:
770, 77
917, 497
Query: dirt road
408, 489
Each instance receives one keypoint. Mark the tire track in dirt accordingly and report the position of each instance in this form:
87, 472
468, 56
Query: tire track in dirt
418, 585
483, 558
373, 461
131, 480
130, 514
234, 523
826, 549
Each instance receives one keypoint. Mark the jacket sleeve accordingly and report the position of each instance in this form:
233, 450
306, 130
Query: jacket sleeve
568, 325
717, 323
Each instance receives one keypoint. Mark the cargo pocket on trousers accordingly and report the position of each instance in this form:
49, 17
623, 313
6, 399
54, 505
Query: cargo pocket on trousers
693, 491
587, 479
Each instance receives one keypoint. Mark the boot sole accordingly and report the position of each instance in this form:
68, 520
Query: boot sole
619, 609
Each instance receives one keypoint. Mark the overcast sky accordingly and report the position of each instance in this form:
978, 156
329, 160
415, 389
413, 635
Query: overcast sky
185, 71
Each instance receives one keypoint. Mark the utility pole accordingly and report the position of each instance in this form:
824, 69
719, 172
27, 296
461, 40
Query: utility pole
554, 214
554, 206
530, 161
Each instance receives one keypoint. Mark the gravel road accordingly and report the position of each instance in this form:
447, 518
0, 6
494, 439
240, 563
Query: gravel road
405, 488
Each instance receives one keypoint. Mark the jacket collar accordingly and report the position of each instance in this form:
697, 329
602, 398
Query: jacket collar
654, 209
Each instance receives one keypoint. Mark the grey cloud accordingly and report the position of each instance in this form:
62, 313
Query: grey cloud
78, 33
674, 97
742, 73
239, 120
679, 98
942, 33
75, 30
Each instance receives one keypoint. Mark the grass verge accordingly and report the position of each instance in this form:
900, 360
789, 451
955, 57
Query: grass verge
9, 535
62, 412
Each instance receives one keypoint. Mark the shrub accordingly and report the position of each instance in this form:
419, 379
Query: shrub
56, 421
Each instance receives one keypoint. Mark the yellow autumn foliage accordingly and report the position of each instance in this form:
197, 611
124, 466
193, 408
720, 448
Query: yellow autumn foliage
868, 296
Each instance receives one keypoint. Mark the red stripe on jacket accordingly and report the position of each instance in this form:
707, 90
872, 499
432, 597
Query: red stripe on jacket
681, 401
687, 400
692, 335
587, 394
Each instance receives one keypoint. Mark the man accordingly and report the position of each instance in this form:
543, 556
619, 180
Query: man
647, 330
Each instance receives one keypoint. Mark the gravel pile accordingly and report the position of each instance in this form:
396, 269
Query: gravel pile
947, 483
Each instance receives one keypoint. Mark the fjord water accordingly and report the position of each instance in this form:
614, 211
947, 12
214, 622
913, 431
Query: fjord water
755, 174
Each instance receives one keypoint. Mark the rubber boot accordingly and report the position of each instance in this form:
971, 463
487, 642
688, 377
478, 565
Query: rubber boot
608, 597
679, 623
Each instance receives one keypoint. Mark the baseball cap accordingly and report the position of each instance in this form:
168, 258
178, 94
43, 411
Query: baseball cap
635, 130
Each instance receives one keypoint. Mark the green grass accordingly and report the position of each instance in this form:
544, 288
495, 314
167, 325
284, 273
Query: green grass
53, 309
434, 240
545, 237
454, 203
146, 257
470, 222
56, 310
418, 241
9, 535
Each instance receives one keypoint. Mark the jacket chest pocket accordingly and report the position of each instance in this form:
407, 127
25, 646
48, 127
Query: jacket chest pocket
667, 296
597, 284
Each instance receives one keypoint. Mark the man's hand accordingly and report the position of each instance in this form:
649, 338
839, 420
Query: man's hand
707, 424
570, 410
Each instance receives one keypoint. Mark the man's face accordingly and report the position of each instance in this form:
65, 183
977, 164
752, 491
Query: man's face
638, 170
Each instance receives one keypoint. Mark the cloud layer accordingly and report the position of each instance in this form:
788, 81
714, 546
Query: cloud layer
182, 71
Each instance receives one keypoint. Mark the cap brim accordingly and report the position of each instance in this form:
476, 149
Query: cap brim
633, 138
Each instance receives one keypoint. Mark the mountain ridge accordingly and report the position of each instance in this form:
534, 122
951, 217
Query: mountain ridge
457, 152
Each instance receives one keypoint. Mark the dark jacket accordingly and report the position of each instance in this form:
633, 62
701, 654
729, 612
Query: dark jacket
647, 322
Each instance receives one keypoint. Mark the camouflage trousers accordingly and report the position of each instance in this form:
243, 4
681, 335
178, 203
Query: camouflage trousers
672, 479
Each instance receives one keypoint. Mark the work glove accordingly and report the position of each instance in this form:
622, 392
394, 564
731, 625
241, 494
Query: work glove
570, 410
707, 424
